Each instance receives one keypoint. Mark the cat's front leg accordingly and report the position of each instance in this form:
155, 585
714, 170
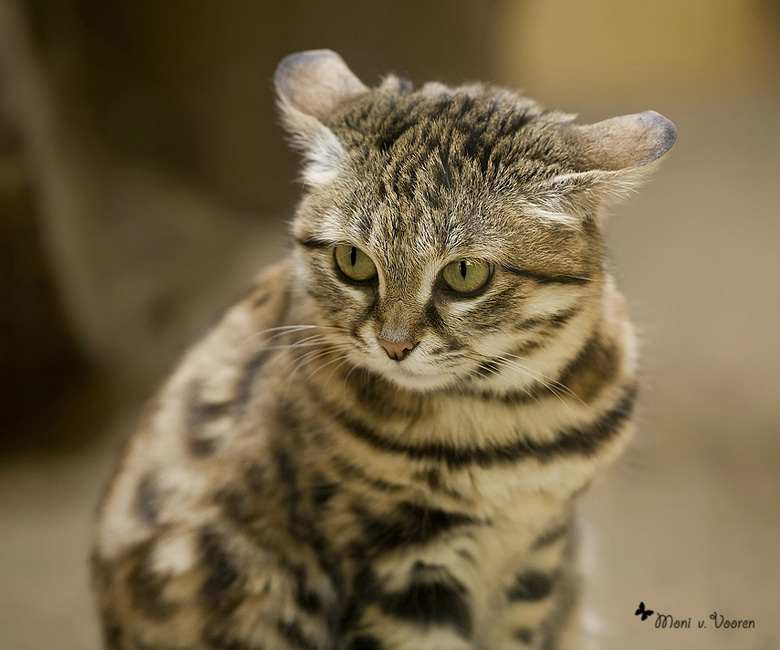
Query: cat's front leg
538, 601
209, 588
418, 606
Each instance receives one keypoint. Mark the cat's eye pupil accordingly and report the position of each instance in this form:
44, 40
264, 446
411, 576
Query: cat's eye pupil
354, 263
466, 277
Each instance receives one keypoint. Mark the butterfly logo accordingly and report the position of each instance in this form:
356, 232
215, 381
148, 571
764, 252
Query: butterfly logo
644, 613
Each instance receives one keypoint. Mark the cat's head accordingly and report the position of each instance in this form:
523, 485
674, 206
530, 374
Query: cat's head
452, 235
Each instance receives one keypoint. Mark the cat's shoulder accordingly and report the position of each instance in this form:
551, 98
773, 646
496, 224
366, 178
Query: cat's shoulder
191, 415
262, 307
219, 358
267, 300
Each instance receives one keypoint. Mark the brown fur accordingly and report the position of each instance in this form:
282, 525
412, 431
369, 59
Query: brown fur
293, 487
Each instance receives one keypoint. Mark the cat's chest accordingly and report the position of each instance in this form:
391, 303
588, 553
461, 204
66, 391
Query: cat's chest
393, 540
478, 453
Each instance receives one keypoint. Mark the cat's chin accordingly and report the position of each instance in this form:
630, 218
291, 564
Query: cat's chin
420, 383
408, 378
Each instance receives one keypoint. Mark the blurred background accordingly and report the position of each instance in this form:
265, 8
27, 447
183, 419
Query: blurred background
144, 180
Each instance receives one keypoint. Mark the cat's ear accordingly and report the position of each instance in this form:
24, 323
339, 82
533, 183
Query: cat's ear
314, 82
622, 144
309, 85
611, 157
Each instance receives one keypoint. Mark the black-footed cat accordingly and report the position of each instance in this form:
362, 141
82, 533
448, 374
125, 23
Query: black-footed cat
379, 448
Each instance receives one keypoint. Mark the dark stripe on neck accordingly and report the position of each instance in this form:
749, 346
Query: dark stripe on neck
572, 440
593, 355
494, 366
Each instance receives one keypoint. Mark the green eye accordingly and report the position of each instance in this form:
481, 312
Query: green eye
354, 263
466, 277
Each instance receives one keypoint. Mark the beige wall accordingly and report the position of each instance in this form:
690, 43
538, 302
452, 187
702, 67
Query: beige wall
565, 48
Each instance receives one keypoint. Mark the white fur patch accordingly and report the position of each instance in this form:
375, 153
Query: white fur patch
322, 152
323, 159
554, 214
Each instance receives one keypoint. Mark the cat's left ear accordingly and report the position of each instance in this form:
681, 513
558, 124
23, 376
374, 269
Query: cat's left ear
309, 85
622, 144
611, 158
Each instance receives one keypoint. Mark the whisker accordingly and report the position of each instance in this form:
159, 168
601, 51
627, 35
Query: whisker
324, 348
512, 361
283, 330
549, 382
344, 359
316, 339
307, 358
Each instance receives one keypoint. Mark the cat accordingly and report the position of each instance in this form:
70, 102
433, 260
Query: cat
380, 446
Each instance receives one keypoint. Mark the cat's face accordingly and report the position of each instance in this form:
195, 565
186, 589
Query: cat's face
472, 282
448, 237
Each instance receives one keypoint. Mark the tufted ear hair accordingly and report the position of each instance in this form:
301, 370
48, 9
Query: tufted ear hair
308, 86
610, 159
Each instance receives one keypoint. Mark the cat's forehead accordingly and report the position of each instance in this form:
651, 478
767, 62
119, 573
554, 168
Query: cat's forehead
449, 131
440, 166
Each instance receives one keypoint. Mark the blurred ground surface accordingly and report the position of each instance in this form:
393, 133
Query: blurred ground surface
688, 522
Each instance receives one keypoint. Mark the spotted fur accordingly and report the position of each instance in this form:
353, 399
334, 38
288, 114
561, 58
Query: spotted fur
293, 487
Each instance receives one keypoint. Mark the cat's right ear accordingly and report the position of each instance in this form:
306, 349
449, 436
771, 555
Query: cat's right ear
308, 86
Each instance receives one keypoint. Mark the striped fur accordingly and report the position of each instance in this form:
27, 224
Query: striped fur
293, 488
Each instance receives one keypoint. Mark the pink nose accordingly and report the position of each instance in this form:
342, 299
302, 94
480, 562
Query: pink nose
396, 349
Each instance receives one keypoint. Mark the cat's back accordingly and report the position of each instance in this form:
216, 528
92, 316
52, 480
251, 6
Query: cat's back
191, 433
